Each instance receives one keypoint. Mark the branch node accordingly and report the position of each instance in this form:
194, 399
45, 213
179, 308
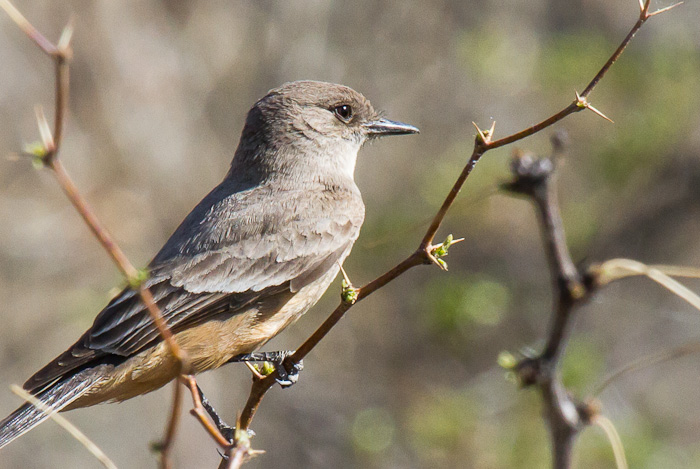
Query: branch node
582, 103
348, 293
137, 280
577, 290
63, 48
261, 370
528, 371
484, 137
436, 252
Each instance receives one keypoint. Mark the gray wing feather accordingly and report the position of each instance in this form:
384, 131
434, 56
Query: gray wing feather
235, 247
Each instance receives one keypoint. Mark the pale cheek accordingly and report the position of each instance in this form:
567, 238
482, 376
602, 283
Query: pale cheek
345, 159
317, 120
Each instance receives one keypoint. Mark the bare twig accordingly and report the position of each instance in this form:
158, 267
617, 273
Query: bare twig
200, 414
485, 142
48, 155
572, 282
240, 451
647, 361
571, 287
261, 386
167, 443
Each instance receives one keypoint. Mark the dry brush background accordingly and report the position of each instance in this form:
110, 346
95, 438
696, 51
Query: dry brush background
409, 378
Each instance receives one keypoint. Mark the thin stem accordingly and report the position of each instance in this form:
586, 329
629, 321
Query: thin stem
261, 386
200, 413
61, 54
43, 43
535, 179
451, 196
415, 259
62, 96
616, 55
167, 445
115, 252
257, 393
570, 283
66, 425
570, 109
88, 216
647, 361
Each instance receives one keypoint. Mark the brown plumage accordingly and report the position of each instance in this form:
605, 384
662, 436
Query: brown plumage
255, 254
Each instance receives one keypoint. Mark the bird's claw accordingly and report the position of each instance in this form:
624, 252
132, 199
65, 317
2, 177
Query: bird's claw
288, 376
227, 431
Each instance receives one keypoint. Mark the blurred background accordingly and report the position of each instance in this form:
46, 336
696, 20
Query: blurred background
409, 379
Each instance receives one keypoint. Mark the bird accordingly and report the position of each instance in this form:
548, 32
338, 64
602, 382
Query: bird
253, 256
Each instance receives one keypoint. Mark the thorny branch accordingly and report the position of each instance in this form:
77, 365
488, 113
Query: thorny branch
47, 155
565, 416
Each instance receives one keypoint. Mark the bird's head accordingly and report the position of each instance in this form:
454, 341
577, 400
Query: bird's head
309, 128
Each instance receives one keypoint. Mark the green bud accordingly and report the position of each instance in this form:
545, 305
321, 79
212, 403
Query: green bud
507, 360
38, 162
348, 294
36, 149
265, 368
136, 281
156, 447
444, 247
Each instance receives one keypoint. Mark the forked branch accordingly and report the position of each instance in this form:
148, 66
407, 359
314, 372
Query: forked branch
572, 285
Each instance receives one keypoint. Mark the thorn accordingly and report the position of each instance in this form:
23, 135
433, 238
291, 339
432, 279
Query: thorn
641, 6
348, 293
66, 36
27, 27
253, 370
344, 274
582, 103
664, 10
435, 260
596, 111
492, 129
44, 129
435, 252
483, 137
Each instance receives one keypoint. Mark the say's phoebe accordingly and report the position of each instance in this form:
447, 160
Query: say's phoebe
250, 259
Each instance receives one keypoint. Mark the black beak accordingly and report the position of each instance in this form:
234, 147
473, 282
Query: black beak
382, 127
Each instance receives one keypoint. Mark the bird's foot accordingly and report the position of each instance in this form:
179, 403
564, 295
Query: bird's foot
287, 374
227, 431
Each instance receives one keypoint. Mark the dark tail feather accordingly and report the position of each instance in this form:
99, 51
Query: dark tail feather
56, 397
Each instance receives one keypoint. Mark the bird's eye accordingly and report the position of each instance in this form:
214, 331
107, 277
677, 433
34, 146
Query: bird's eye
343, 112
